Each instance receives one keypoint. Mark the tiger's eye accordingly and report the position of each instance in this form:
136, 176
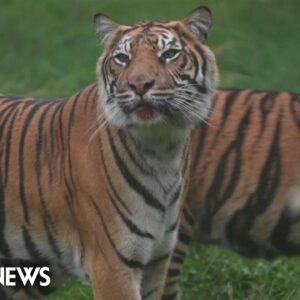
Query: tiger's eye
169, 54
122, 58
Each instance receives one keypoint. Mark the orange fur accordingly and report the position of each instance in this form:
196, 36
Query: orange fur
243, 191
93, 188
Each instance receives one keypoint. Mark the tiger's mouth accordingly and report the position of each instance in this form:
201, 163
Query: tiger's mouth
144, 109
147, 112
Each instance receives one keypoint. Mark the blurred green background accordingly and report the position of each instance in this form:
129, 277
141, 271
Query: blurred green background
48, 48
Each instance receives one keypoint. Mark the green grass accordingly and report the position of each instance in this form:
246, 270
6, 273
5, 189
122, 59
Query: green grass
48, 48
218, 274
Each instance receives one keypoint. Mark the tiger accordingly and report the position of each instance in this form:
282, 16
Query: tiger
92, 185
244, 184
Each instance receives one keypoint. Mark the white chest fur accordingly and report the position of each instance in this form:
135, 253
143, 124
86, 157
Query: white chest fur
155, 203
160, 224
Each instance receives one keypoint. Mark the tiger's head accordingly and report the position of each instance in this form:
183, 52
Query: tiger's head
156, 71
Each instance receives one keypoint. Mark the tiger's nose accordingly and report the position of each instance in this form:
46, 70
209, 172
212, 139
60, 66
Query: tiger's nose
141, 84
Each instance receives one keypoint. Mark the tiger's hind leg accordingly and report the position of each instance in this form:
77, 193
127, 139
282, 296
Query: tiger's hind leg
185, 233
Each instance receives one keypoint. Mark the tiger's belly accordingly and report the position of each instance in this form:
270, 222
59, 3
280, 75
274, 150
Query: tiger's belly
272, 233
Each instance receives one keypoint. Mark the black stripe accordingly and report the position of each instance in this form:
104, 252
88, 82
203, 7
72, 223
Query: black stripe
204, 66
163, 43
240, 224
103, 72
158, 260
53, 138
47, 153
87, 98
38, 151
195, 64
16, 99
184, 238
122, 137
47, 219
69, 190
51, 241
133, 228
30, 245
62, 139
267, 103
128, 262
173, 227
72, 112
200, 87
8, 145
109, 181
23, 135
229, 101
68, 201
107, 84
175, 196
186, 158
179, 252
200, 144
178, 259
184, 61
132, 181
4, 248
3, 119
150, 170
280, 234
188, 217
217, 193
70, 126
96, 99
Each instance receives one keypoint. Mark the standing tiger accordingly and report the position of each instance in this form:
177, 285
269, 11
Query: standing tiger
244, 187
92, 185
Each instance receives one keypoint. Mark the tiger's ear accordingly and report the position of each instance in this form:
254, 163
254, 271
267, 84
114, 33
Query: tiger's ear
199, 21
104, 26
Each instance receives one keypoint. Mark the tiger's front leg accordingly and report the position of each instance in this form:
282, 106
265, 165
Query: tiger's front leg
115, 286
154, 280
185, 233
110, 280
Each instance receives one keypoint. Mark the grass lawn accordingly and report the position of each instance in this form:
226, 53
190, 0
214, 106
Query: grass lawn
48, 48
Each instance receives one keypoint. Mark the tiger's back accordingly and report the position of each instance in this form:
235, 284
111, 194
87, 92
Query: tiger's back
245, 186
